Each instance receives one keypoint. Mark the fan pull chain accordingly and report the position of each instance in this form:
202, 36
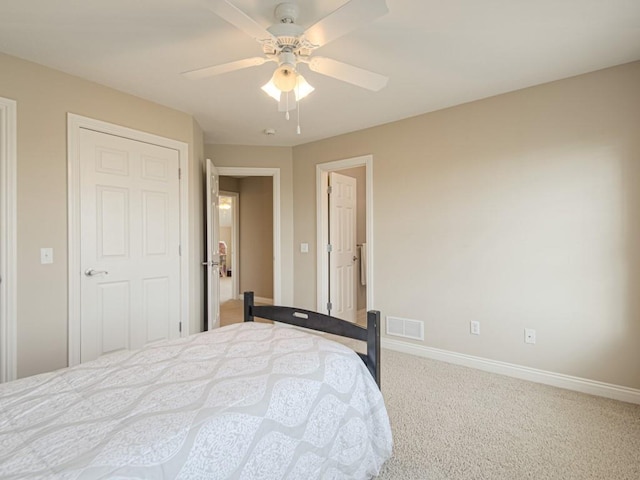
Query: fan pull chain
286, 115
298, 108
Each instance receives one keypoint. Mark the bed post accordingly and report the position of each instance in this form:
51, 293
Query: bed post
373, 343
248, 306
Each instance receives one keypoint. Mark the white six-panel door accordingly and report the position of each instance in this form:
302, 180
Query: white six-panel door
130, 240
342, 237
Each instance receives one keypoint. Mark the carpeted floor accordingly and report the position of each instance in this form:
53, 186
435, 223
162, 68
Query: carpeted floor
453, 422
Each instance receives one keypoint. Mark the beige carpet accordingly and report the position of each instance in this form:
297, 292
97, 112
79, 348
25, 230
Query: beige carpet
453, 422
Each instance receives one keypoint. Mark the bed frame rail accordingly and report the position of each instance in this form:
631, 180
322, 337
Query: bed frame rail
324, 323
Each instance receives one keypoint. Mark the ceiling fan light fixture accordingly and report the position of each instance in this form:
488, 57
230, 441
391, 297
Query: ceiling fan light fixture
302, 88
271, 90
284, 78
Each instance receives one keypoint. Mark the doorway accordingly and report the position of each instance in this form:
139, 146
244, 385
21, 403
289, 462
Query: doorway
328, 268
245, 245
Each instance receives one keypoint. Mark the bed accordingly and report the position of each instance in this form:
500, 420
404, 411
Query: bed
248, 401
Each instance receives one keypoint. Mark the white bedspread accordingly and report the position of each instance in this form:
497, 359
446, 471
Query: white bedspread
247, 401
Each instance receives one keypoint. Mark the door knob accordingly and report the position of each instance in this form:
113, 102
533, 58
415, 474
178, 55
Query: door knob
213, 264
90, 272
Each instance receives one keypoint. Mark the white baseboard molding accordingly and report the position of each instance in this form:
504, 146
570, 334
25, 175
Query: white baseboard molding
266, 301
592, 387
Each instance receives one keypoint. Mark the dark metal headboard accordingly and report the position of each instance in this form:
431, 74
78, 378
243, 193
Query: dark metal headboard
324, 323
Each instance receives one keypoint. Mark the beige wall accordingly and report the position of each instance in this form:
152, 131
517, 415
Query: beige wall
521, 210
267, 157
44, 97
256, 236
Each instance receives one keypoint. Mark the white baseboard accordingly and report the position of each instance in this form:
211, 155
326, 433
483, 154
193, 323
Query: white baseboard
592, 387
266, 301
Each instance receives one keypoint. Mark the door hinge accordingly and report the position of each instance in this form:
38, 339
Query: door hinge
329, 306
179, 250
329, 189
180, 327
179, 174
329, 248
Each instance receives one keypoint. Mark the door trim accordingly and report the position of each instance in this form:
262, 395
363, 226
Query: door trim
8, 240
322, 215
74, 124
277, 257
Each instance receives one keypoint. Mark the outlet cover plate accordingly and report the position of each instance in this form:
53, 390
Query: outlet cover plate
475, 327
529, 335
46, 256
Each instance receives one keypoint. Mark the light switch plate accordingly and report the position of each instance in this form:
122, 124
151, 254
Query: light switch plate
304, 248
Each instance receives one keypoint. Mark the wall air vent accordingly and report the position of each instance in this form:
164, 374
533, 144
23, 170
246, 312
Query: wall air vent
404, 327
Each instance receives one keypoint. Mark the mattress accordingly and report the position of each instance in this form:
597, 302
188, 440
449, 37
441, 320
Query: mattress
246, 401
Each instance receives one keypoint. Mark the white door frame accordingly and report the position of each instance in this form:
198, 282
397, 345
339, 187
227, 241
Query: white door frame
8, 240
74, 124
322, 215
235, 207
277, 257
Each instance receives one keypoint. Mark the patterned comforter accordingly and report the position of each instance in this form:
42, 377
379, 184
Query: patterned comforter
247, 401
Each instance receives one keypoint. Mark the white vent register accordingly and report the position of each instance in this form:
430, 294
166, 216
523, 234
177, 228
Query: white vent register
404, 327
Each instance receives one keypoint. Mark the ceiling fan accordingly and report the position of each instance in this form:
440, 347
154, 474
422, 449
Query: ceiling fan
289, 45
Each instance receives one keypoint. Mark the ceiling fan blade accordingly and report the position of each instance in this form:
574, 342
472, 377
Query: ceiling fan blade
224, 68
239, 19
345, 19
348, 73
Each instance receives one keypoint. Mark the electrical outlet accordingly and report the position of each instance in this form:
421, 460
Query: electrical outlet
529, 335
475, 327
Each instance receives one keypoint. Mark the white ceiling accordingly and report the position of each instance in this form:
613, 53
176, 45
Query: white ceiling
436, 54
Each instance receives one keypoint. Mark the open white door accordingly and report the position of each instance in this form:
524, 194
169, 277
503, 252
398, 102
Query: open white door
342, 238
212, 263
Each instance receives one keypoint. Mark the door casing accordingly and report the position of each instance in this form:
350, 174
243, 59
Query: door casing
8, 240
322, 215
74, 124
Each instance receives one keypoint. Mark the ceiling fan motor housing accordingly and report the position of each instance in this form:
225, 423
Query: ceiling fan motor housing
286, 12
287, 58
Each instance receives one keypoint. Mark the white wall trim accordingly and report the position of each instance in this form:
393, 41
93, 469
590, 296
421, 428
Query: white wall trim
263, 300
74, 124
8, 240
322, 173
277, 234
592, 387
